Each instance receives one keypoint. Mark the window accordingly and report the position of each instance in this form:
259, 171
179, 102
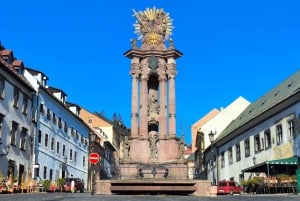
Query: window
45, 173
72, 131
290, 129
46, 140
48, 114
256, 143
247, 148
59, 122
51, 174
279, 139
71, 154
66, 127
57, 147
16, 97
267, 137
75, 156
42, 110
1, 124
238, 152
54, 118
52, 143
2, 87
83, 161
222, 160
90, 121
40, 137
14, 129
23, 138
64, 150
230, 158
25, 104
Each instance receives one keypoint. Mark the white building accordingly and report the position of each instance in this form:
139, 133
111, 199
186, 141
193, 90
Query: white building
16, 137
216, 123
266, 130
61, 137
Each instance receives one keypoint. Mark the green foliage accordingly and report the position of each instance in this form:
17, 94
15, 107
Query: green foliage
283, 177
245, 183
46, 184
253, 181
60, 183
1, 175
257, 180
294, 178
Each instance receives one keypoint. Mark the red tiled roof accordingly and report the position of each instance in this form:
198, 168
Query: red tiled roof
17, 63
6, 52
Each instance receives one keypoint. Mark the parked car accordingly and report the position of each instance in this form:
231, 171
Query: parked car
78, 185
229, 187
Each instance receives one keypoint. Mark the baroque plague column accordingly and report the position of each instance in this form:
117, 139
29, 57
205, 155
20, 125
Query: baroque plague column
153, 57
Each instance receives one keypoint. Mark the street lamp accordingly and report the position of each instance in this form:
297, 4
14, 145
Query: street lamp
64, 167
211, 136
7, 149
92, 140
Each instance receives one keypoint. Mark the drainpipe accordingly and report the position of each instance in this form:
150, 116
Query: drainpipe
298, 175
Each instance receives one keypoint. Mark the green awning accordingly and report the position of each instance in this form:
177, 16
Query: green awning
284, 161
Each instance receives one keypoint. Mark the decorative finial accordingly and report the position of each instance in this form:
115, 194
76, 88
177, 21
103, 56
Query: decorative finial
153, 26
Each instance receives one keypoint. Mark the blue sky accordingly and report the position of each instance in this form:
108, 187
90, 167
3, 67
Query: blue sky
230, 49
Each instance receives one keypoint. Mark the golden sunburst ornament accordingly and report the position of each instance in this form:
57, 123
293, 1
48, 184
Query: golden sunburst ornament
153, 26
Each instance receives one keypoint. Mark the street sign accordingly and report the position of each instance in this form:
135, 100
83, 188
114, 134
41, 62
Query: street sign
94, 158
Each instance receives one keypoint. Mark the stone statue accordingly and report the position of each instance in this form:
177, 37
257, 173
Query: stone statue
181, 148
153, 104
126, 147
133, 43
153, 146
153, 109
171, 43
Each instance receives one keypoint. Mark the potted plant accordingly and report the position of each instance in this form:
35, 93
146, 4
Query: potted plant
46, 184
60, 183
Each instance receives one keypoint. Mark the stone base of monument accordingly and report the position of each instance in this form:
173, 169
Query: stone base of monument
155, 187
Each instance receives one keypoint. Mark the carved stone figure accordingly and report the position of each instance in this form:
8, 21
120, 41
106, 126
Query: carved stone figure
126, 147
153, 145
133, 43
181, 148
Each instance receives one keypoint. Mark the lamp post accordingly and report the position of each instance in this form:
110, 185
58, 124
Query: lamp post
7, 149
92, 140
65, 166
211, 136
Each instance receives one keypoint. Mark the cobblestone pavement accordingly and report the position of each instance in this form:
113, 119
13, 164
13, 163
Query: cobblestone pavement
89, 197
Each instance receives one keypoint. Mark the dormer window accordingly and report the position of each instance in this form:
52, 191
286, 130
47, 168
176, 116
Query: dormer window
7, 56
18, 66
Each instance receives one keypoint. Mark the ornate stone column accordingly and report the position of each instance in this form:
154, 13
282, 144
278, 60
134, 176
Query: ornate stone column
144, 106
172, 115
163, 106
134, 106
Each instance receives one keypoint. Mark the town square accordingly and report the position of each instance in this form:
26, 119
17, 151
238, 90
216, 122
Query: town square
146, 112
